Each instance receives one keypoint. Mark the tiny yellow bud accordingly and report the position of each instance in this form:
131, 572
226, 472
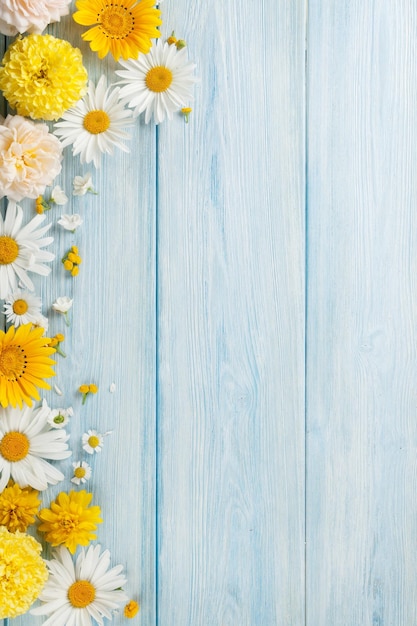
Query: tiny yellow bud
83, 389
53, 342
68, 265
93, 388
131, 609
59, 337
74, 249
77, 259
75, 270
181, 43
39, 209
171, 40
72, 257
186, 112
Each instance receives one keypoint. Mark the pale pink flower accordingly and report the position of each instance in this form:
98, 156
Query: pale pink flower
30, 158
31, 16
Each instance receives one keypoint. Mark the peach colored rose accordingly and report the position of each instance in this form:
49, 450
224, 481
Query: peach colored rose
30, 158
32, 16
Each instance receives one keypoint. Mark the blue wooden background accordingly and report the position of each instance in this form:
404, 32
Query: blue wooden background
249, 285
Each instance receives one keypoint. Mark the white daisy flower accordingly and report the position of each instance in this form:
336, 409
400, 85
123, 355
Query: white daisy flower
82, 184
20, 249
41, 322
26, 440
82, 472
92, 441
159, 82
94, 125
82, 593
59, 418
22, 307
58, 196
70, 222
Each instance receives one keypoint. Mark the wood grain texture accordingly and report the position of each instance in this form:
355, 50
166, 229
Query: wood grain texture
361, 367
231, 323
111, 340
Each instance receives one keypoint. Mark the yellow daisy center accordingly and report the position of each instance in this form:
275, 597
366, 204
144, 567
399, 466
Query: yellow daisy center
81, 594
96, 122
79, 472
116, 22
14, 446
93, 441
8, 250
12, 362
20, 307
158, 79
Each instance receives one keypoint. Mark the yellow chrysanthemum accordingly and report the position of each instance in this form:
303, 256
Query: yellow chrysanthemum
42, 76
24, 363
122, 27
18, 507
70, 521
23, 572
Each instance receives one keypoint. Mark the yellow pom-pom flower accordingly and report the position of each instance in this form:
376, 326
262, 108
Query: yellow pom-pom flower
42, 76
18, 507
70, 521
22, 570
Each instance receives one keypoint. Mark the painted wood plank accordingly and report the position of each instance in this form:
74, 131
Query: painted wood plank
361, 367
231, 322
111, 340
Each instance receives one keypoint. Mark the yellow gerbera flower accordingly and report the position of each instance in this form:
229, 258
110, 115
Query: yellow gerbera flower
42, 76
18, 507
70, 521
122, 27
24, 363
23, 572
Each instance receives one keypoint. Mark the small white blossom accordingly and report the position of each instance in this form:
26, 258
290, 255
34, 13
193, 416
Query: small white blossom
82, 184
41, 322
58, 196
82, 472
58, 418
70, 222
92, 441
63, 305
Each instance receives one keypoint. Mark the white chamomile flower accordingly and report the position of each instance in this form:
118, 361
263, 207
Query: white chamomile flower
26, 441
70, 222
41, 322
58, 196
82, 472
159, 82
94, 125
92, 441
82, 185
22, 307
59, 418
20, 249
81, 593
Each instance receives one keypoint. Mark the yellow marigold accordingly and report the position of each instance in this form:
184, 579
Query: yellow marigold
42, 76
70, 521
131, 609
18, 507
23, 572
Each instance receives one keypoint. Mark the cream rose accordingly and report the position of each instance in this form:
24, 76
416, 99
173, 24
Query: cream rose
30, 158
